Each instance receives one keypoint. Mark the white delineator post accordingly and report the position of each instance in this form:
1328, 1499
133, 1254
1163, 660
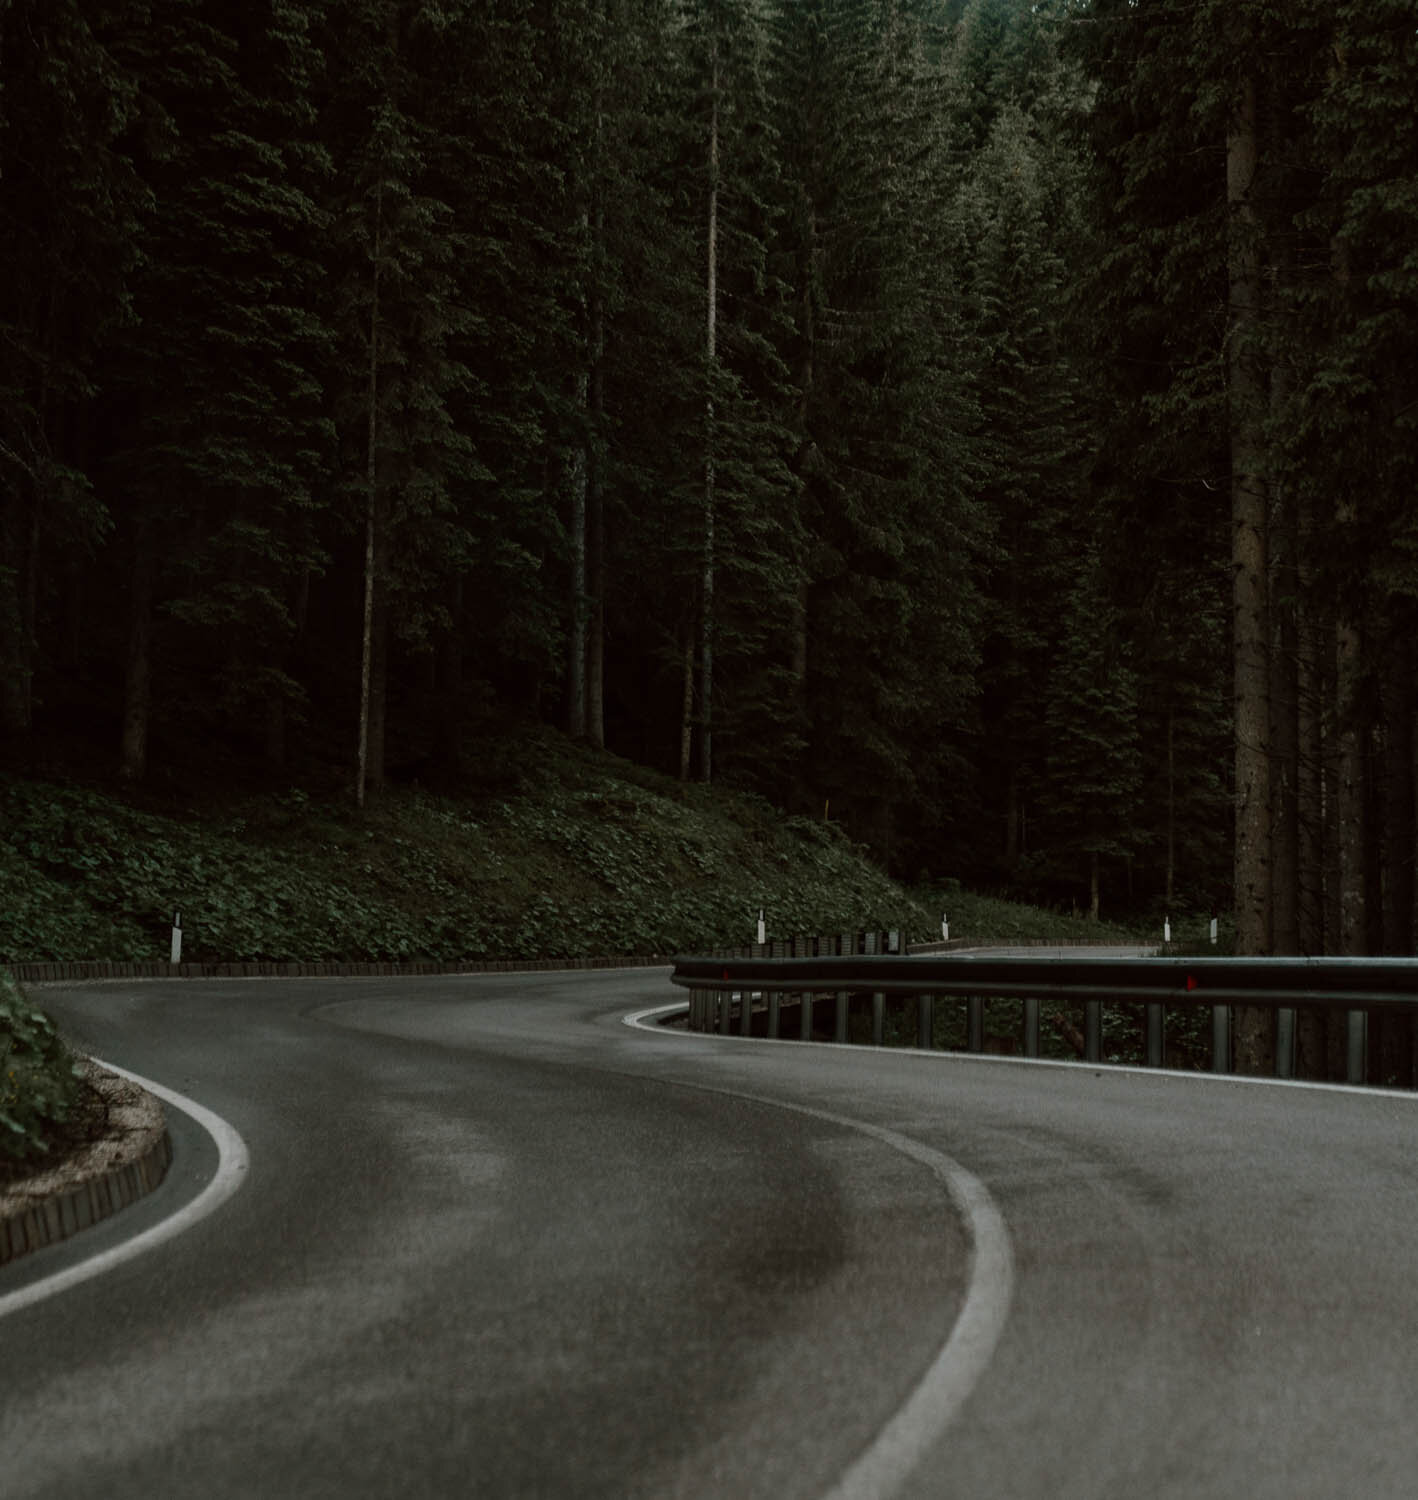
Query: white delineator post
1213, 929
1166, 929
177, 937
762, 930
945, 927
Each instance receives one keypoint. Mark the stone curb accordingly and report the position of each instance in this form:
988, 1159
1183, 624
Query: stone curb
52, 972
63, 1214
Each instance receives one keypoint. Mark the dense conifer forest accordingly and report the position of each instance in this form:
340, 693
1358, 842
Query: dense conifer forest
991, 426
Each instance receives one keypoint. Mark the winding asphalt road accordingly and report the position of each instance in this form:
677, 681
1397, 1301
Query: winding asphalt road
494, 1241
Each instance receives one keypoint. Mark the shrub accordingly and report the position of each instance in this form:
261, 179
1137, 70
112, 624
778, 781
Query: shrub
38, 1077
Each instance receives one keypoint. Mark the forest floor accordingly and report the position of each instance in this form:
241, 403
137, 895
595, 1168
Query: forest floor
544, 849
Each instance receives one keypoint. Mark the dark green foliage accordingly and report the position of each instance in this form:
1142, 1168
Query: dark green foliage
1093, 762
582, 856
38, 1078
938, 533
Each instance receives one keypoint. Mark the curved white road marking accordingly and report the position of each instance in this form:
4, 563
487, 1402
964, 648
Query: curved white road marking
642, 1020
942, 1391
232, 1162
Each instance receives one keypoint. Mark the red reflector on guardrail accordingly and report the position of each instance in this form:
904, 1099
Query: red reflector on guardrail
1191, 982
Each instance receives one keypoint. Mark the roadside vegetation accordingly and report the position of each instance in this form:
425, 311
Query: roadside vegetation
39, 1081
552, 851
563, 852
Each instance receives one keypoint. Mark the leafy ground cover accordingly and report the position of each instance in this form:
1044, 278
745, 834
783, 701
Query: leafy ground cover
39, 1081
565, 852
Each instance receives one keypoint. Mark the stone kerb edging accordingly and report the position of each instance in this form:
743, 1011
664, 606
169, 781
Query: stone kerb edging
54, 972
94, 1182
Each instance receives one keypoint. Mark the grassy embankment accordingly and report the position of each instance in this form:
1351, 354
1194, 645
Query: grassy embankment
571, 854
576, 854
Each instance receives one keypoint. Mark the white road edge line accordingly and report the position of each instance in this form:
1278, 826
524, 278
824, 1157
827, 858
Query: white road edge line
233, 1159
943, 1390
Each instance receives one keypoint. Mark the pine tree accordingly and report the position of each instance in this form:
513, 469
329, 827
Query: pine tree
212, 396
886, 620
1094, 766
70, 200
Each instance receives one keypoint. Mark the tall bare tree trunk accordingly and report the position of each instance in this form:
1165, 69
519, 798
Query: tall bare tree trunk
1394, 838
1400, 695
595, 494
576, 638
686, 708
1284, 729
371, 479
1310, 1024
137, 676
378, 667
1253, 1029
1171, 806
596, 550
706, 600
448, 671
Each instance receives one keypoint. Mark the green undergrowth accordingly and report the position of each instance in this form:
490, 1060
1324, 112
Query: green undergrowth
553, 851
38, 1078
981, 918
581, 855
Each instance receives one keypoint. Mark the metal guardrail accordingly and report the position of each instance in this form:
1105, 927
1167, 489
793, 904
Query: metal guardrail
722, 992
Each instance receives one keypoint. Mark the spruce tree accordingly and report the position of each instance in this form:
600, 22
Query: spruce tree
70, 200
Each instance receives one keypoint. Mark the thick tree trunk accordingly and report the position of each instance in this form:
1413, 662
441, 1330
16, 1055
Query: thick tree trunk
1253, 1045
1011, 816
706, 596
1171, 808
1310, 1025
448, 688
1284, 700
596, 545
137, 676
595, 494
686, 709
1349, 811
19, 547
378, 681
576, 635
371, 508
1400, 695
1394, 845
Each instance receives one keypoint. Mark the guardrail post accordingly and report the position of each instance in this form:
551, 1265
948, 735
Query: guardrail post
841, 1027
975, 1023
1092, 1030
1154, 1035
746, 1013
1220, 1038
805, 1024
1031, 1028
774, 1006
925, 1022
1284, 1043
1358, 1029
878, 1020
726, 1010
